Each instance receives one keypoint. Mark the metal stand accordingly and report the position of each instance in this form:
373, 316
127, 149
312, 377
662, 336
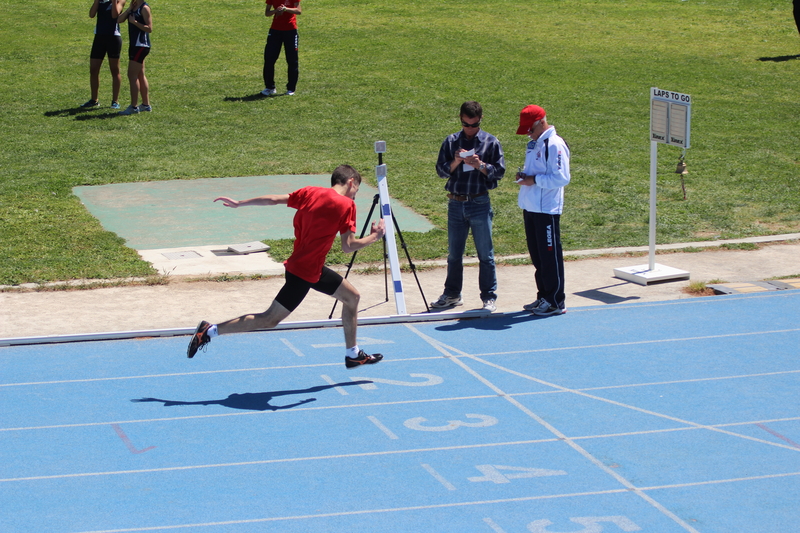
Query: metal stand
652, 272
380, 148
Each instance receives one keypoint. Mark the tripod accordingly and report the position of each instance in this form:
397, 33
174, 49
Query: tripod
376, 201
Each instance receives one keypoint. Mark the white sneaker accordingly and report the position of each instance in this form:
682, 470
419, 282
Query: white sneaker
289, 93
269, 92
130, 110
489, 305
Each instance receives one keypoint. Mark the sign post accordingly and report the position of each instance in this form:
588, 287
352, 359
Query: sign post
670, 120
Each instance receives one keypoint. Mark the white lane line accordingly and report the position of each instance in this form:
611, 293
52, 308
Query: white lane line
631, 407
438, 477
330, 381
454, 354
419, 507
248, 413
552, 429
282, 460
292, 347
383, 428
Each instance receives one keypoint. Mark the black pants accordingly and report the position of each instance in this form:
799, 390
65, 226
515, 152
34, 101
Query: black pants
797, 14
288, 40
543, 233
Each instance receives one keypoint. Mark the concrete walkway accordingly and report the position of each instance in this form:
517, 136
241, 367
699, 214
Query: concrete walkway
181, 304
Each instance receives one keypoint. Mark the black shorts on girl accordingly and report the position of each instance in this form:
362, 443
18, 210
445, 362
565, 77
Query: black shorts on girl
106, 44
138, 53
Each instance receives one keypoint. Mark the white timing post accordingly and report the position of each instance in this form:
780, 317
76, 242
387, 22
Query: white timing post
670, 119
391, 244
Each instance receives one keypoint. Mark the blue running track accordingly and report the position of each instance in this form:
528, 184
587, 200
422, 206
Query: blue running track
663, 417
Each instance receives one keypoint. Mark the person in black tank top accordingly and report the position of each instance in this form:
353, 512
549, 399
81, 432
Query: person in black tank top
107, 41
140, 26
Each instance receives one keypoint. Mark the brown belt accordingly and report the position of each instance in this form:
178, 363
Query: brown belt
465, 197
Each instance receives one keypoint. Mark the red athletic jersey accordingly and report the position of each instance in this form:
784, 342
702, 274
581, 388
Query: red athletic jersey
322, 213
284, 21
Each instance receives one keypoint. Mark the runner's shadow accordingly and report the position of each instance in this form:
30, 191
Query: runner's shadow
98, 116
256, 401
779, 59
69, 112
248, 98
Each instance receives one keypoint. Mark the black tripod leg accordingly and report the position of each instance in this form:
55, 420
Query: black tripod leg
375, 201
410, 262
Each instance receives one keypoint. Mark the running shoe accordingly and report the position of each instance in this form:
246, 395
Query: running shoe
289, 93
446, 301
199, 340
114, 105
269, 92
489, 305
90, 103
130, 110
545, 309
145, 108
362, 359
533, 305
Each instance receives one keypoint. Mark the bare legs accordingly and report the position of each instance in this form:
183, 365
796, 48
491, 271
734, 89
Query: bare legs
94, 77
346, 293
139, 83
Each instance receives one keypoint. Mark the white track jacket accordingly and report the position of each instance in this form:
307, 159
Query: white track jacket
552, 174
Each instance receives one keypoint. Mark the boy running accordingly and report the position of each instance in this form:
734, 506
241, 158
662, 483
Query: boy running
322, 213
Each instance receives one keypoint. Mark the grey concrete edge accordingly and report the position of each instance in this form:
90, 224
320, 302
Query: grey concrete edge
469, 260
174, 332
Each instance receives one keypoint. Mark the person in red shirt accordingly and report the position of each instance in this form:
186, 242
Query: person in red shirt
322, 213
282, 33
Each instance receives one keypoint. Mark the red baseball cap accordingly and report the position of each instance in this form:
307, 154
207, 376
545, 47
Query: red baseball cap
528, 116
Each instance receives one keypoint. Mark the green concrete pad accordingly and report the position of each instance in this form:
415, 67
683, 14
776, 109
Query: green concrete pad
171, 214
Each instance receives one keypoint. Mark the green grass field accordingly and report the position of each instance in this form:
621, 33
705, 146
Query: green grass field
398, 71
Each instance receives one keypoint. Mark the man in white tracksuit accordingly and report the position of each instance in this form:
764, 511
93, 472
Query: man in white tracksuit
541, 197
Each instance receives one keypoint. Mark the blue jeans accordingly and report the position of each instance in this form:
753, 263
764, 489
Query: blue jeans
475, 215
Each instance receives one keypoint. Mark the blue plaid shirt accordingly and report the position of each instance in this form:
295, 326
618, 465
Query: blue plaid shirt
488, 149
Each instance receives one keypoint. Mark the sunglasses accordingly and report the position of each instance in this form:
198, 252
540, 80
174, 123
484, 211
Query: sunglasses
473, 125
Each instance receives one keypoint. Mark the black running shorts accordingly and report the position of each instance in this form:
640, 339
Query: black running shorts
295, 289
138, 53
106, 44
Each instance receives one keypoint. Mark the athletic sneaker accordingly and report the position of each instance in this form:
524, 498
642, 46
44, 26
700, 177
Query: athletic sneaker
489, 305
130, 110
145, 108
91, 103
289, 93
446, 301
199, 340
545, 309
362, 359
114, 105
269, 92
533, 305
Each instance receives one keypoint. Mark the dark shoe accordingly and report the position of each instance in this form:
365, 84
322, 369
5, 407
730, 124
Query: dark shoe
362, 359
545, 309
446, 301
90, 104
199, 340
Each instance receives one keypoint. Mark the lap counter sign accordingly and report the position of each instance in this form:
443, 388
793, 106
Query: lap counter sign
670, 119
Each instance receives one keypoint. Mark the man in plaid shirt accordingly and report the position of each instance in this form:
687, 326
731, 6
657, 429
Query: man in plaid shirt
472, 162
